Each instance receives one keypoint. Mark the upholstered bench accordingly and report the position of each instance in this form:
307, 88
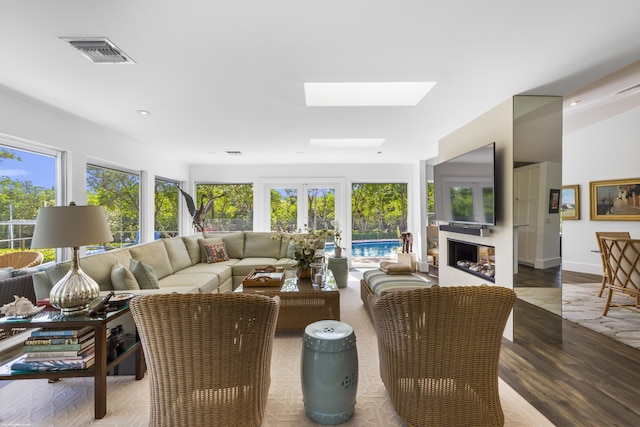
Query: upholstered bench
379, 283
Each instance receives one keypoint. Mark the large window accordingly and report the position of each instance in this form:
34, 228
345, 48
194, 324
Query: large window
166, 208
232, 207
119, 192
27, 182
379, 211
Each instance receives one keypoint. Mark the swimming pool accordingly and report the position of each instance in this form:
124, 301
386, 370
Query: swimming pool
370, 248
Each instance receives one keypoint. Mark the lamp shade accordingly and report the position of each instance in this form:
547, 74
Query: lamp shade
70, 226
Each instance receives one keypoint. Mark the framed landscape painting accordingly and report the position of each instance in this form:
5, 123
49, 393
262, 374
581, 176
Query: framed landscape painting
570, 199
615, 200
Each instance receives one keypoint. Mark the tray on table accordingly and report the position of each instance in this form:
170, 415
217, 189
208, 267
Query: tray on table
264, 276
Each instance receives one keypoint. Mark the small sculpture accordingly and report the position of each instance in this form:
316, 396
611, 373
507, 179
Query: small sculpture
21, 306
197, 215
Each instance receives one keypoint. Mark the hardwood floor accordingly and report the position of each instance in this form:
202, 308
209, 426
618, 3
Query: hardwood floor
580, 379
586, 379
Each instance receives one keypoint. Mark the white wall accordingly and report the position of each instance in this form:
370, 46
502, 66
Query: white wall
25, 123
606, 150
494, 126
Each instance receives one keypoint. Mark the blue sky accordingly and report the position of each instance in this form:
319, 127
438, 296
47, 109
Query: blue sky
39, 169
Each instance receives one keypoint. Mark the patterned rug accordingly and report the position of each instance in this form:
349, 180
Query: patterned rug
581, 305
69, 402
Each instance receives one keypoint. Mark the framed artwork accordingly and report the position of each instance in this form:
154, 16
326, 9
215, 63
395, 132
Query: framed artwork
554, 200
570, 202
615, 200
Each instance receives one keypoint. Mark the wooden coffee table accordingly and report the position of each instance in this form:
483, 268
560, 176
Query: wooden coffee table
301, 303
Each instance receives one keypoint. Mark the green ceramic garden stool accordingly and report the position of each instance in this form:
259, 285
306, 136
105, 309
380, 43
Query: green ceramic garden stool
338, 265
329, 371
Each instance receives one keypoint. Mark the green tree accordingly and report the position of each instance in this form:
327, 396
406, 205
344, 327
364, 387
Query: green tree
232, 206
119, 193
166, 208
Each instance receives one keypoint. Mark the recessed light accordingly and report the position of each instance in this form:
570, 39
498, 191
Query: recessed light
299, 153
143, 112
366, 94
347, 142
212, 153
574, 103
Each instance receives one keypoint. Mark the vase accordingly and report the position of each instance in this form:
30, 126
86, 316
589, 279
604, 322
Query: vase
304, 273
338, 252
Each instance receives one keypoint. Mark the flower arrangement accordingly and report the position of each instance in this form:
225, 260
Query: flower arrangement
305, 245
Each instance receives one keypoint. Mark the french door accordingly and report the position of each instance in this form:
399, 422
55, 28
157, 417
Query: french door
293, 205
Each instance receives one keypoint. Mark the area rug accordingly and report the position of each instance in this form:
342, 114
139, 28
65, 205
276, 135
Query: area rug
547, 298
581, 305
69, 402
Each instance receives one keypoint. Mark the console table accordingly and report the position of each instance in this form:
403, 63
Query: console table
53, 319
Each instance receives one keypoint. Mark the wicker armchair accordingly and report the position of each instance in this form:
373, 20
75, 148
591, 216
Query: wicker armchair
599, 236
208, 356
21, 259
622, 256
439, 350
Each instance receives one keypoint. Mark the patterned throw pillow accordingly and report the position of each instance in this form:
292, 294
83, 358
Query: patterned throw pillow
216, 252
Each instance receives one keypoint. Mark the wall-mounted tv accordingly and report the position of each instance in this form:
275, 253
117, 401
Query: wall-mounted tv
464, 188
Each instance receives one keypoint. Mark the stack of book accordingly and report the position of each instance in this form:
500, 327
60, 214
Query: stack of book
57, 350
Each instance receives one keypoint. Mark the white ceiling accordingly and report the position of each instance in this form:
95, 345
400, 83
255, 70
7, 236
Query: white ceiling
229, 75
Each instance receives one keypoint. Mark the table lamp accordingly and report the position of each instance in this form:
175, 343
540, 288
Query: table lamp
72, 226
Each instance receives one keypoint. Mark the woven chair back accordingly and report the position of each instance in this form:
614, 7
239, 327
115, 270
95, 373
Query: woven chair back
208, 356
439, 350
623, 271
21, 259
599, 236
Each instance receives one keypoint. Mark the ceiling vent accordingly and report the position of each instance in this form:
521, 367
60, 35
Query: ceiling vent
234, 153
99, 50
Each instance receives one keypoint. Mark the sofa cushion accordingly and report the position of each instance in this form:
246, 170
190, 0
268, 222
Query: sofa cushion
203, 243
221, 269
390, 267
41, 285
122, 279
178, 253
234, 242
193, 247
57, 271
98, 267
205, 283
215, 252
155, 255
144, 274
257, 244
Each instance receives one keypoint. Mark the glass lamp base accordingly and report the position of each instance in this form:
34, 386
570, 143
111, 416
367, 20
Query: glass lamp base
74, 292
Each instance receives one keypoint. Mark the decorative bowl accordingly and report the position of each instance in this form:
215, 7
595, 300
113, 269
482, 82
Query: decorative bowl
120, 300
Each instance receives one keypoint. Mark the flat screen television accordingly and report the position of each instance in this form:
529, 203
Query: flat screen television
464, 188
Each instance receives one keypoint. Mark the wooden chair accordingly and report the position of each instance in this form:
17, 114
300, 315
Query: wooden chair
208, 356
432, 243
439, 350
599, 236
21, 259
622, 256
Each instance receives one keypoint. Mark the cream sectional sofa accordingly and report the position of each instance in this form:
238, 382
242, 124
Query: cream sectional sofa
179, 264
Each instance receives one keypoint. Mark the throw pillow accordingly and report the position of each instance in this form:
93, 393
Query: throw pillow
395, 268
216, 252
6, 272
203, 243
144, 274
122, 279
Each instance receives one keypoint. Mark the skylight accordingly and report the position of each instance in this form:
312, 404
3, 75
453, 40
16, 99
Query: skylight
347, 142
366, 94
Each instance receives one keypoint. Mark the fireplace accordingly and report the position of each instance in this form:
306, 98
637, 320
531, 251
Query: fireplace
472, 258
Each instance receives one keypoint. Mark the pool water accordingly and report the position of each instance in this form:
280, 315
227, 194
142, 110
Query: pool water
371, 248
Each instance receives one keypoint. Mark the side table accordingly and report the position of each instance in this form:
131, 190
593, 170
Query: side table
53, 319
338, 266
